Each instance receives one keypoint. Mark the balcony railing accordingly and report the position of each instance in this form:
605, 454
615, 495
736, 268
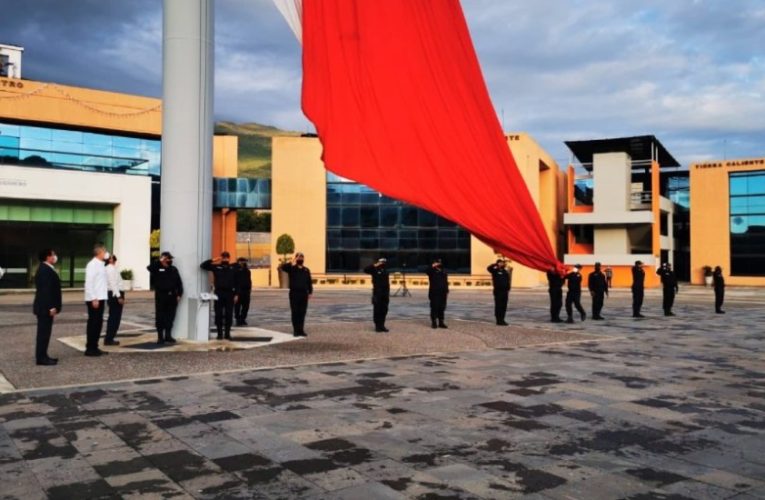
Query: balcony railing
640, 200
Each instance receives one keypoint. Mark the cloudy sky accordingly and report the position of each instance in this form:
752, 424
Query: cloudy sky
691, 72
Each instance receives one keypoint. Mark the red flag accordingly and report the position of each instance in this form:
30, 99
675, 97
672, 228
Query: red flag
396, 93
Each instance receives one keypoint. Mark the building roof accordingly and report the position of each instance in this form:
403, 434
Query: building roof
638, 147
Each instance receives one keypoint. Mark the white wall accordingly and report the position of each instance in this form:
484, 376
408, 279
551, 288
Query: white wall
130, 195
14, 58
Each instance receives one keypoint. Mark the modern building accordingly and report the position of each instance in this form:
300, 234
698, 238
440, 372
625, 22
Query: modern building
728, 220
627, 201
80, 166
343, 226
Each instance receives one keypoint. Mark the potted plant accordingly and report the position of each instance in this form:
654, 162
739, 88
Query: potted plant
707, 275
284, 245
127, 278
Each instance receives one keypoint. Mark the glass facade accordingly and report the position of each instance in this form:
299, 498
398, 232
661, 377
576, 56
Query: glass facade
747, 223
363, 225
78, 150
241, 193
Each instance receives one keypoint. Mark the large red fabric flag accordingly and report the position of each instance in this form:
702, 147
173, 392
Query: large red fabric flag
396, 93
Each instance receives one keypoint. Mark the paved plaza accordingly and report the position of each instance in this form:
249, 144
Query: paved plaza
670, 408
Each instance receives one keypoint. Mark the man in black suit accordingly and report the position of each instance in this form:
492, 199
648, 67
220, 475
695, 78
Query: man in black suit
555, 289
719, 285
597, 283
244, 291
574, 294
225, 283
47, 304
380, 293
168, 290
638, 288
301, 290
438, 291
669, 287
500, 280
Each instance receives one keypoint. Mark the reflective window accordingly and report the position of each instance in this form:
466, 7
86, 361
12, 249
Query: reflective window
747, 223
363, 225
241, 193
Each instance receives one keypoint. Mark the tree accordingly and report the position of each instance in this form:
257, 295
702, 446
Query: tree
285, 245
252, 221
154, 243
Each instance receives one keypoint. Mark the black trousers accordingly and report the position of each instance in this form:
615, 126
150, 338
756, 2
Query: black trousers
719, 298
224, 311
380, 303
637, 300
556, 303
115, 317
574, 297
597, 303
44, 329
437, 307
500, 304
95, 325
668, 299
165, 304
242, 308
299, 308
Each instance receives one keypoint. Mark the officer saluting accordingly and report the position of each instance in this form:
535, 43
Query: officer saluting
437, 293
638, 288
380, 292
301, 289
669, 287
555, 289
598, 286
224, 279
168, 289
574, 294
500, 279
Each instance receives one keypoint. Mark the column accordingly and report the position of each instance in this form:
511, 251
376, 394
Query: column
187, 135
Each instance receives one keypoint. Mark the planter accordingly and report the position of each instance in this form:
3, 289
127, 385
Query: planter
284, 279
127, 285
708, 280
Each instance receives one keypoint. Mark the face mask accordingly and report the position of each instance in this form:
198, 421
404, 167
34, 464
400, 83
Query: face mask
225, 261
106, 255
169, 262
300, 261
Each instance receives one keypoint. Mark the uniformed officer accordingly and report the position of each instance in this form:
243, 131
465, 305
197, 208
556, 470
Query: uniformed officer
301, 289
555, 289
224, 281
380, 292
669, 287
500, 279
243, 290
638, 283
719, 286
168, 289
597, 283
437, 293
574, 294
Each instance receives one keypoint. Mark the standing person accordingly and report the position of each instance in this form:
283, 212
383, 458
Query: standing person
243, 291
224, 281
115, 299
168, 290
96, 293
574, 294
437, 293
609, 275
301, 289
638, 288
380, 292
47, 304
597, 283
500, 280
555, 289
669, 287
719, 286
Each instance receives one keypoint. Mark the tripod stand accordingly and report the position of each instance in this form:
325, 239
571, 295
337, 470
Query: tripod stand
402, 289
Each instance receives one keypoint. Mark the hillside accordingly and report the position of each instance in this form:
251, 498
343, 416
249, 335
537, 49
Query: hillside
254, 146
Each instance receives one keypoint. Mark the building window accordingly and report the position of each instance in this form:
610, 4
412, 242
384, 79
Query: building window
747, 223
584, 234
364, 225
664, 223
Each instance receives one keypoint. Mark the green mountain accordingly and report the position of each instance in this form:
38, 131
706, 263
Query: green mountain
254, 146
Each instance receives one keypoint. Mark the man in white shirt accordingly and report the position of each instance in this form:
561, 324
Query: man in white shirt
116, 299
96, 293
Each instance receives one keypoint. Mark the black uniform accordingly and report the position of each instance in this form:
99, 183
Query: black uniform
500, 280
301, 286
47, 297
224, 279
598, 286
574, 296
167, 289
380, 294
555, 289
719, 286
669, 288
437, 293
244, 290
638, 289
